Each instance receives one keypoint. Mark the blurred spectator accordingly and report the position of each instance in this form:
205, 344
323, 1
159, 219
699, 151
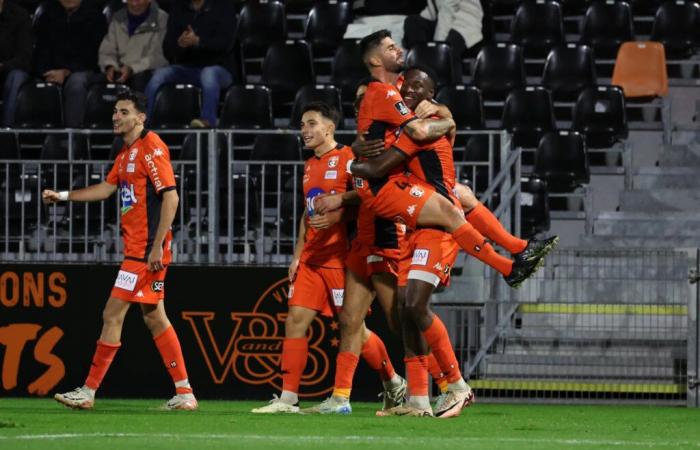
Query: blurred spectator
457, 22
133, 46
15, 55
199, 45
68, 35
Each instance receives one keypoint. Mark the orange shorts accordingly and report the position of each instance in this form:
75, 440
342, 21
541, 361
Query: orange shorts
135, 283
431, 257
401, 199
365, 261
319, 288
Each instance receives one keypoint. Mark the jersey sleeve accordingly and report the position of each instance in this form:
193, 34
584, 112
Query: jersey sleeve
113, 175
156, 160
406, 145
388, 106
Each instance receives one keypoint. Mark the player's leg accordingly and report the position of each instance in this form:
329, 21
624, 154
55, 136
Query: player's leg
384, 284
487, 224
168, 345
112, 321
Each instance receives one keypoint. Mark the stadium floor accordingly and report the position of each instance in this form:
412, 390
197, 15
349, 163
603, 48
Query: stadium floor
132, 424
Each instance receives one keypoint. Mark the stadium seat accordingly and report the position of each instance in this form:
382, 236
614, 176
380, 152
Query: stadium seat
326, 24
176, 105
260, 24
287, 66
528, 113
437, 56
534, 207
599, 114
568, 70
574, 7
39, 105
606, 25
247, 106
326, 93
499, 69
538, 27
677, 27
99, 105
348, 68
640, 69
277, 147
465, 104
477, 150
502, 7
562, 161
645, 7
9, 147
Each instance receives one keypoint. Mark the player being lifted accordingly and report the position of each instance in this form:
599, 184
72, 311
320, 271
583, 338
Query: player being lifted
144, 176
317, 271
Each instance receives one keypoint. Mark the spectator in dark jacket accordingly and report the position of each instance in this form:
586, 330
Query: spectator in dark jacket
199, 46
68, 35
15, 55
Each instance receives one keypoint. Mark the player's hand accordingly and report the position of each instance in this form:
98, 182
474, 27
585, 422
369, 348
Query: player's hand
292, 271
367, 149
48, 196
426, 109
57, 76
155, 259
326, 203
323, 221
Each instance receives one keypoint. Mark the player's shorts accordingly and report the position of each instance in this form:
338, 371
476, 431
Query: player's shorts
319, 288
401, 199
365, 261
135, 283
431, 257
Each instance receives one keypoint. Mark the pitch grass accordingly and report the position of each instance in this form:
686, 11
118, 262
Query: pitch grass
132, 424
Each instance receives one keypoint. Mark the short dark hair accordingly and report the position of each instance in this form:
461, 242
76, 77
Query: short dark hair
426, 70
372, 41
135, 97
326, 110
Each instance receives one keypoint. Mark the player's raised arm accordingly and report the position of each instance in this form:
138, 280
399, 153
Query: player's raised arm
425, 130
93, 193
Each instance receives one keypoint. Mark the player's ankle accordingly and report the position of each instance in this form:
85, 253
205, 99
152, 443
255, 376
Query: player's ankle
90, 391
289, 397
419, 401
391, 383
459, 385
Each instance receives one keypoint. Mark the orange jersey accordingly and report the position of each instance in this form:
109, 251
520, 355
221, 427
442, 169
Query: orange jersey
432, 163
142, 172
382, 234
326, 175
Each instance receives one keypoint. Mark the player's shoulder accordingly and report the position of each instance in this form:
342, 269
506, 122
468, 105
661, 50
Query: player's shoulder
345, 151
153, 144
378, 90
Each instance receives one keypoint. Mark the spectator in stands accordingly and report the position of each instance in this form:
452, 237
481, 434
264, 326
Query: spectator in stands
133, 46
199, 45
15, 55
457, 22
68, 35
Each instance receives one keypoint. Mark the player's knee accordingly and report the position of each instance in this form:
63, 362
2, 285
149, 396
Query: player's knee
348, 323
415, 307
110, 319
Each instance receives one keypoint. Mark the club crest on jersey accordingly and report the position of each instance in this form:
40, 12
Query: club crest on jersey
133, 153
416, 192
310, 197
333, 161
128, 197
401, 108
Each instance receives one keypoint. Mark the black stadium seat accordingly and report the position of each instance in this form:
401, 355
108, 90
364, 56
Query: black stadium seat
326, 93
465, 104
287, 66
528, 113
562, 161
538, 27
99, 105
499, 69
606, 25
39, 105
260, 24
534, 207
247, 106
348, 68
326, 24
599, 114
437, 56
677, 26
176, 105
568, 70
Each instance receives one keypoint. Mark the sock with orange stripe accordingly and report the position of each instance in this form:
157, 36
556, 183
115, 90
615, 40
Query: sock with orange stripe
375, 354
417, 374
295, 351
435, 372
345, 365
439, 341
169, 347
101, 360
487, 224
474, 243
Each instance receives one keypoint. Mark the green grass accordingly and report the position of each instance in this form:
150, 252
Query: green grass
131, 424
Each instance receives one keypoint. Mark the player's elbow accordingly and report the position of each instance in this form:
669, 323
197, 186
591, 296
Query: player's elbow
418, 130
171, 198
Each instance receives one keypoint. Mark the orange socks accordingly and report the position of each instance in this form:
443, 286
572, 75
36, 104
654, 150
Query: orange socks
104, 354
375, 354
169, 347
436, 373
417, 374
488, 225
345, 365
475, 244
439, 341
295, 351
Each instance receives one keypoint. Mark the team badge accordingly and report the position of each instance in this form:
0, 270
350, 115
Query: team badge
133, 153
416, 191
333, 161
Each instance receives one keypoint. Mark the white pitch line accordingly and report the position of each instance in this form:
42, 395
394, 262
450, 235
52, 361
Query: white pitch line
354, 439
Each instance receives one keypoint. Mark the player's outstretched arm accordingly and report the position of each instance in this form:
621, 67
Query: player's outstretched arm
167, 214
424, 130
378, 166
91, 193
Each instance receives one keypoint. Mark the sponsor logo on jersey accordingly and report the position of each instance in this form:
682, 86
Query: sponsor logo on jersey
401, 108
126, 280
331, 175
157, 152
338, 295
411, 210
157, 286
310, 197
139, 293
420, 257
130, 168
359, 182
154, 172
128, 197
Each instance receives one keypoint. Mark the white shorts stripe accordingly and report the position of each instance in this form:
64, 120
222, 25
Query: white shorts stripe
421, 275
